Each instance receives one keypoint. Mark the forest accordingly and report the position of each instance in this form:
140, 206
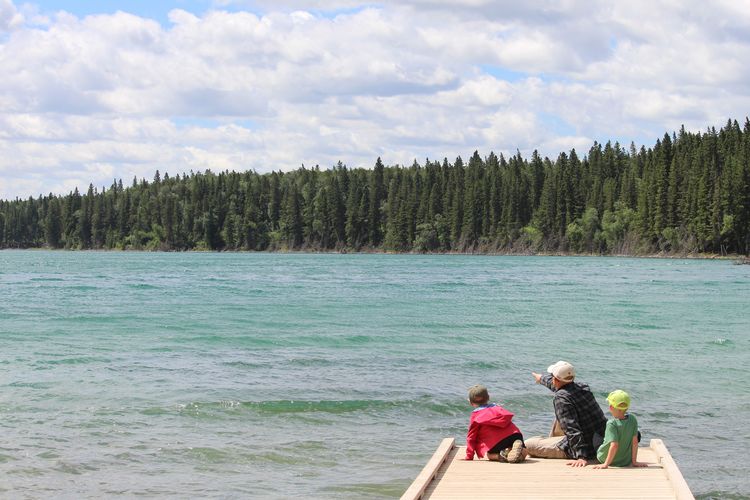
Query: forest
689, 193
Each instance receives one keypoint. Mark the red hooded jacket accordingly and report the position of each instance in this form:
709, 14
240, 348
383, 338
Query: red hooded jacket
488, 426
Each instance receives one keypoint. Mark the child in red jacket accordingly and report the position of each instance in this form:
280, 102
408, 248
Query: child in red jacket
492, 431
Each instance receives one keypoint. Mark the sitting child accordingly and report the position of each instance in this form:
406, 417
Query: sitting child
620, 446
492, 431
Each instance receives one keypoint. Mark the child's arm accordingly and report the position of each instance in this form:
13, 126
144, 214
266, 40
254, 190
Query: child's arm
471, 437
634, 461
610, 455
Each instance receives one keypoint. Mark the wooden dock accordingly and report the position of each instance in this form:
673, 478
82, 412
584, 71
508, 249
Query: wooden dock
447, 476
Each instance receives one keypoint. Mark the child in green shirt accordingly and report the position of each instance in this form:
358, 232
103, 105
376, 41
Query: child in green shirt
620, 446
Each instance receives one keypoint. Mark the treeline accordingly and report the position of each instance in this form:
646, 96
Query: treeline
688, 193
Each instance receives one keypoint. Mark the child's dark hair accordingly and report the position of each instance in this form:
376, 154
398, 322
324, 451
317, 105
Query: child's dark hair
478, 394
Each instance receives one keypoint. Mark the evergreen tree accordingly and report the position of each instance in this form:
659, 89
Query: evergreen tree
376, 200
473, 202
52, 224
291, 218
457, 206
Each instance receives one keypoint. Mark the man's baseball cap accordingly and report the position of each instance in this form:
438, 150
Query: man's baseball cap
562, 370
619, 399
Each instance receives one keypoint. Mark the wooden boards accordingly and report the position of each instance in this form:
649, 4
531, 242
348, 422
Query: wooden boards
446, 476
423, 480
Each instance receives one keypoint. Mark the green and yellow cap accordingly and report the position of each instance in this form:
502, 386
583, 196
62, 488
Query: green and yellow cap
619, 399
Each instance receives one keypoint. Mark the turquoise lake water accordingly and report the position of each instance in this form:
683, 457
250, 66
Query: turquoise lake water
335, 376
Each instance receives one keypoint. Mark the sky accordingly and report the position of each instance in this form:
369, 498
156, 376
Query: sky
91, 92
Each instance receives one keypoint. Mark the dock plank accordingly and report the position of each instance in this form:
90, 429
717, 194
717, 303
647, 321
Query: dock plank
447, 476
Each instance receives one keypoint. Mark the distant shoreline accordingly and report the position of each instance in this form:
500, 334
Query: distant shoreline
740, 259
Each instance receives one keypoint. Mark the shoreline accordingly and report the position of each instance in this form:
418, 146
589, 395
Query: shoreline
738, 258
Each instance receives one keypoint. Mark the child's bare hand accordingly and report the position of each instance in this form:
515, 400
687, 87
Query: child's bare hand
639, 464
600, 466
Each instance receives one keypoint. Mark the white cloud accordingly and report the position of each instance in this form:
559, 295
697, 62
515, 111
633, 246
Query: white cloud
10, 18
87, 99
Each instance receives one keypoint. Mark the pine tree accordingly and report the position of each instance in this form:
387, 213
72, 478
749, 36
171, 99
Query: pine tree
291, 218
53, 224
457, 207
98, 228
376, 200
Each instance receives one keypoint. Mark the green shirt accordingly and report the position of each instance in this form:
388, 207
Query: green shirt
621, 432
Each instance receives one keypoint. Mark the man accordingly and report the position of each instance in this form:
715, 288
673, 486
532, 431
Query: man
579, 416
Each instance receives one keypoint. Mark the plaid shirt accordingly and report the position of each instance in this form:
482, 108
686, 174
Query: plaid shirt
580, 418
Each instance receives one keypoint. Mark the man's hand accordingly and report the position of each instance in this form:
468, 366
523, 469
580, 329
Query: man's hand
537, 377
581, 462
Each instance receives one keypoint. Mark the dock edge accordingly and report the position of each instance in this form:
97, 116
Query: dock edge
679, 485
418, 487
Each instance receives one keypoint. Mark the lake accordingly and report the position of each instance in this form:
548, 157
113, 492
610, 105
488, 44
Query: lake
336, 376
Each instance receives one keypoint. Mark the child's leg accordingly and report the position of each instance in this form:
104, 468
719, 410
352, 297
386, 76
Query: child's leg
516, 453
507, 450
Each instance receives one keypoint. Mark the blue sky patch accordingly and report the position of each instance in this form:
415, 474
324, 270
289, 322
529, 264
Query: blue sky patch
185, 122
157, 10
504, 74
557, 124
334, 13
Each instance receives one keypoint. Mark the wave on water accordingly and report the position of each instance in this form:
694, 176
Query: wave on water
722, 495
660, 417
722, 342
210, 455
392, 489
81, 319
312, 362
142, 286
356, 405
213, 409
81, 360
33, 385
282, 458
236, 339
480, 326
646, 326
358, 339
484, 365
322, 341
73, 468
157, 411
321, 406
244, 365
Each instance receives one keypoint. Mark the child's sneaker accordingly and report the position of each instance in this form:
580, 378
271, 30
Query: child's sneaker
497, 457
516, 453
